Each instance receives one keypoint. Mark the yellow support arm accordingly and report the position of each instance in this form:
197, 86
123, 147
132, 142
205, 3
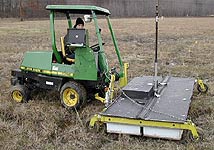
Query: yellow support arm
97, 97
124, 79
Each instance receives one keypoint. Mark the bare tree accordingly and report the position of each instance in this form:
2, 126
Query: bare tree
21, 13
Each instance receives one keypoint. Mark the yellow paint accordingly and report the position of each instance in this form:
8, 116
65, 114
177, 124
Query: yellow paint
70, 97
63, 50
17, 96
111, 87
109, 92
188, 125
65, 74
201, 84
97, 97
62, 46
124, 79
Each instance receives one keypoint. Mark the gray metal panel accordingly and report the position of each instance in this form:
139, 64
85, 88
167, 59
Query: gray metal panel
174, 101
123, 108
140, 84
136, 88
172, 105
139, 87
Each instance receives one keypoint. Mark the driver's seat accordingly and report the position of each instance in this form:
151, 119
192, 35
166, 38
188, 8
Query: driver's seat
67, 58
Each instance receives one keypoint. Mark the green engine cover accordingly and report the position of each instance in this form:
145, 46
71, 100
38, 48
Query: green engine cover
38, 60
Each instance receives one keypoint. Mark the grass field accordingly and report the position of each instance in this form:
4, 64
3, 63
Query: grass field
186, 49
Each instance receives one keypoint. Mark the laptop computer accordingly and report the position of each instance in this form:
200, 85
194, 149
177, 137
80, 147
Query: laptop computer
76, 37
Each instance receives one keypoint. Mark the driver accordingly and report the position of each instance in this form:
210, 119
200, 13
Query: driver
78, 25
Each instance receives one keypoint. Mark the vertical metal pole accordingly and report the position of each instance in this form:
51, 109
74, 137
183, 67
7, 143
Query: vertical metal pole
53, 38
156, 51
69, 20
97, 31
102, 58
115, 44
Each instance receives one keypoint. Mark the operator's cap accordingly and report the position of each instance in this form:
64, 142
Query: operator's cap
79, 21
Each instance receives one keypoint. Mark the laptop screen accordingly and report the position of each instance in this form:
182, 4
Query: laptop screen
76, 36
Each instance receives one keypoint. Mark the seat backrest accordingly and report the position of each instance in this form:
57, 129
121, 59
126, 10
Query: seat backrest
64, 53
75, 37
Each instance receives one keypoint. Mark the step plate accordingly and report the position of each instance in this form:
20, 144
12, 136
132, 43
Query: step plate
171, 106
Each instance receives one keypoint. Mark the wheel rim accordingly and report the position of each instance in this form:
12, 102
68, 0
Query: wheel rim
17, 96
70, 97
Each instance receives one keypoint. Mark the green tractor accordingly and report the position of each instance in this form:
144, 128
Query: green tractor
76, 79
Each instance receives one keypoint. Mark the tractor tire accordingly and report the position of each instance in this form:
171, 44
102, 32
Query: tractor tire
19, 93
72, 95
84, 93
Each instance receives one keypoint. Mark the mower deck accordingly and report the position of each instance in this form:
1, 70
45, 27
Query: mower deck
138, 102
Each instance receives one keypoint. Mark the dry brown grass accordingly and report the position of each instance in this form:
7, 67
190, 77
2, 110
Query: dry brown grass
185, 49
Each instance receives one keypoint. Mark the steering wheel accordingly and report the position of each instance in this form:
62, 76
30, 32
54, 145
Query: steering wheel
96, 47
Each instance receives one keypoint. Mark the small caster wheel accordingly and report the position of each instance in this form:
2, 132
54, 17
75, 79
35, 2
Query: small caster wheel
19, 93
190, 138
202, 88
97, 128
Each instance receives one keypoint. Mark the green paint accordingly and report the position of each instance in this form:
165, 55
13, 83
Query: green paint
115, 45
69, 20
55, 51
78, 9
87, 37
63, 68
39, 60
85, 66
103, 64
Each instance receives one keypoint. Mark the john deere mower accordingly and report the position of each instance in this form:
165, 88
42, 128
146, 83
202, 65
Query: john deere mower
75, 79
149, 105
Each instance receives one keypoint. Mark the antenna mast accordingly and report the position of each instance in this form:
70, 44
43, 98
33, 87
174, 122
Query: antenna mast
156, 51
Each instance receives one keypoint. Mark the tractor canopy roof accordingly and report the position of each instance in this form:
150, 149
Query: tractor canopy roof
78, 9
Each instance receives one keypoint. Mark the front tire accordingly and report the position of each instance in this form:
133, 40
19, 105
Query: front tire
72, 95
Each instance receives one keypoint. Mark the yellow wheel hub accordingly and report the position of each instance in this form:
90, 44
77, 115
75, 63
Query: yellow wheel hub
17, 96
70, 97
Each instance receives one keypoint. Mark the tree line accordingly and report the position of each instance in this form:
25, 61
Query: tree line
118, 8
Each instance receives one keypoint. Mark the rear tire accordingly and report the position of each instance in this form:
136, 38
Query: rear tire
72, 95
19, 93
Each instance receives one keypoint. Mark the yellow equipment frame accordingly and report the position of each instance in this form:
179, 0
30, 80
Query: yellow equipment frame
188, 125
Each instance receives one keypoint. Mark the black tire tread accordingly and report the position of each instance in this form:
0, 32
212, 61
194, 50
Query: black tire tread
79, 89
23, 90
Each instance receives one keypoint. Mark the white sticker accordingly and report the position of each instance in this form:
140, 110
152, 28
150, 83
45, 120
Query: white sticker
55, 68
49, 83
